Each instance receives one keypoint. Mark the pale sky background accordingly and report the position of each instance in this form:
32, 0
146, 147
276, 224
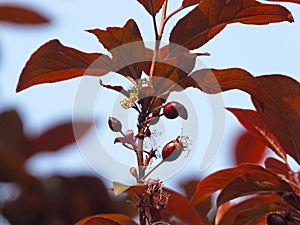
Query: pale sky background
270, 49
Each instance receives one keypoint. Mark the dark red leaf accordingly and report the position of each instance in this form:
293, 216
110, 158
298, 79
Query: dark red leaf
96, 220
293, 199
234, 210
54, 62
211, 16
145, 92
219, 180
114, 37
281, 111
186, 3
189, 188
175, 68
248, 149
58, 137
107, 219
12, 165
179, 59
213, 81
293, 1
170, 68
178, 206
253, 182
11, 131
115, 88
66, 199
126, 46
152, 6
252, 121
20, 15
277, 167
169, 72
252, 215
259, 215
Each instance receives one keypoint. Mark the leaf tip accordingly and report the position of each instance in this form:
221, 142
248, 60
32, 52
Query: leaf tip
89, 30
119, 188
290, 17
20, 87
193, 201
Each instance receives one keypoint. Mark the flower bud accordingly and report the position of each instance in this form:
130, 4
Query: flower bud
133, 172
174, 109
172, 150
114, 124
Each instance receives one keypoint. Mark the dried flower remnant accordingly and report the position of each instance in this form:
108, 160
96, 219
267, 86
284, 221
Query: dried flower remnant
153, 201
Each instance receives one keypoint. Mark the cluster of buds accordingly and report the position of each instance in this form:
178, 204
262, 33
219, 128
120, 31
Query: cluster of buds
127, 103
134, 93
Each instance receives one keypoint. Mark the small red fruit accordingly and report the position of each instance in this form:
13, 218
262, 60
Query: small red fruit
172, 150
114, 124
174, 109
276, 219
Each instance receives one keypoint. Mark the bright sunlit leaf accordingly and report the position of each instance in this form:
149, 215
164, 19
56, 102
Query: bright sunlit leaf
233, 211
252, 182
281, 111
218, 180
252, 121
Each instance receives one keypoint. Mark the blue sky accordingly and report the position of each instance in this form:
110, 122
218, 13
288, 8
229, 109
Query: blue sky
271, 49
